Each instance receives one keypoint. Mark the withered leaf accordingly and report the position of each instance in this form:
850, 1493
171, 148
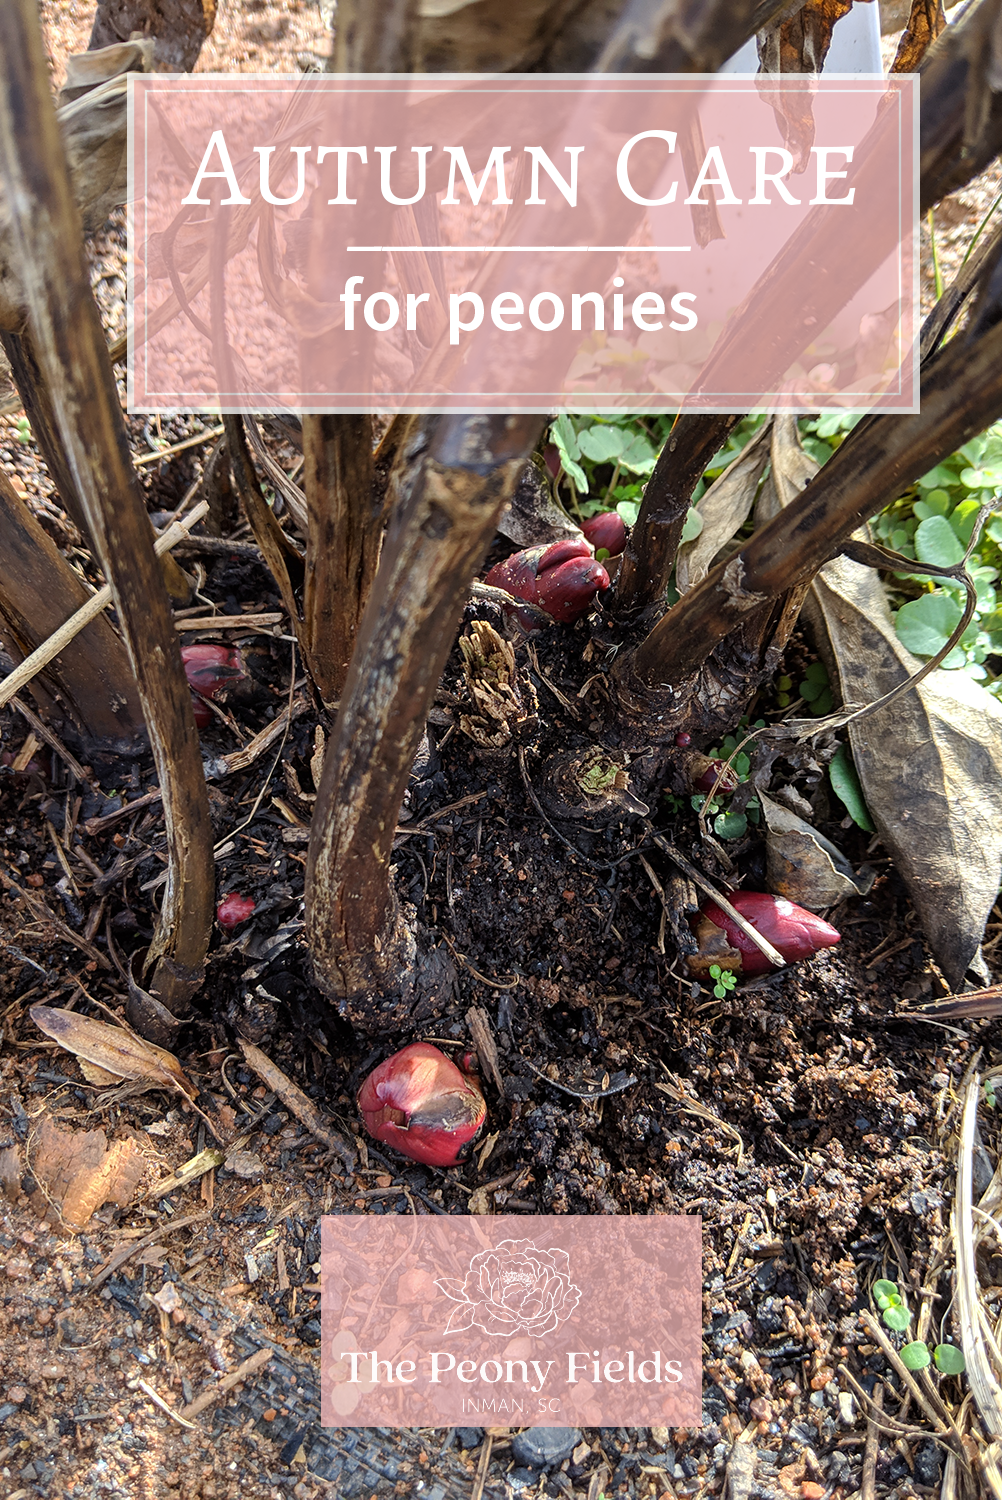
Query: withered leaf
79, 1171
799, 44
791, 469
925, 22
803, 865
98, 1076
723, 510
930, 764
533, 516
92, 119
112, 1049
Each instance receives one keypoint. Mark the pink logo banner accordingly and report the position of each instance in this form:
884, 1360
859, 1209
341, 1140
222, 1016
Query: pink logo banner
520, 1320
523, 242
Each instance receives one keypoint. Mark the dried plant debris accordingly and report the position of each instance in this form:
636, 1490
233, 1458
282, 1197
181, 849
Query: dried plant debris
791, 469
930, 764
533, 516
723, 510
92, 117
504, 705
803, 865
110, 1054
78, 1171
925, 22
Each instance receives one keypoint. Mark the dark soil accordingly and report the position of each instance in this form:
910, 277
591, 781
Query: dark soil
798, 1116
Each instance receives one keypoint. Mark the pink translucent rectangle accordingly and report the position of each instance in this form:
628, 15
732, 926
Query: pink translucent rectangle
525, 1320
523, 242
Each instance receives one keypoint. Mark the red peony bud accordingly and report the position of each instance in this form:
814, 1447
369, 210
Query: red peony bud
568, 592
210, 669
562, 578
682, 739
419, 1102
795, 932
234, 909
708, 780
608, 530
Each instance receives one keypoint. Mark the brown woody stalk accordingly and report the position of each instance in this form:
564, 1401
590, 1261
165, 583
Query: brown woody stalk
38, 409
961, 395
38, 592
362, 951
650, 551
73, 360
342, 550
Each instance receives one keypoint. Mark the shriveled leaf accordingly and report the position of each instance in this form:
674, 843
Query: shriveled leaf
92, 118
86, 71
930, 764
925, 22
803, 865
723, 510
533, 516
79, 1171
799, 44
791, 469
112, 1049
98, 1076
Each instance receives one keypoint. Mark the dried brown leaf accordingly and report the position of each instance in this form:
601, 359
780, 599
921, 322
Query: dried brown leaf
724, 509
799, 44
803, 865
79, 1171
790, 472
10, 1172
111, 1048
96, 1075
930, 764
925, 22
92, 118
533, 516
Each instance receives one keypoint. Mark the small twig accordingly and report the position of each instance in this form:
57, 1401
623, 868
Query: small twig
274, 765
239, 760
482, 1467
98, 825
616, 1088
231, 622
408, 828
296, 1101
771, 953
153, 1395
217, 546
128, 1251
192, 442
60, 639
495, 984
54, 742
207, 1398
42, 914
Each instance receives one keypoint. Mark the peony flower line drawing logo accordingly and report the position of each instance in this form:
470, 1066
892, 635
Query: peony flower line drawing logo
514, 1288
